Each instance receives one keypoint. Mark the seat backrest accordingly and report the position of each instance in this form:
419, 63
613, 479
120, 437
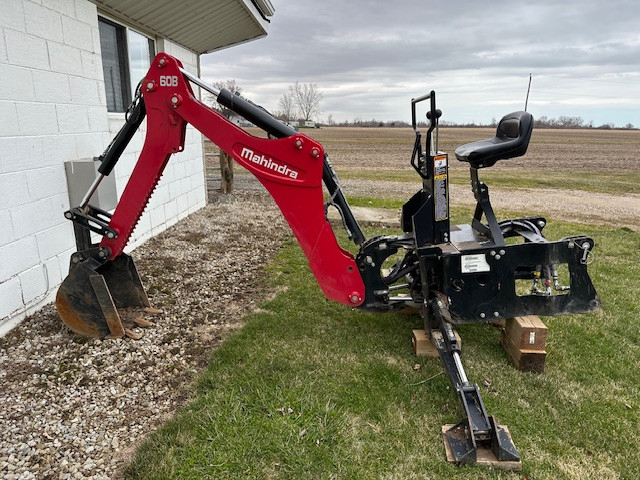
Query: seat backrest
511, 140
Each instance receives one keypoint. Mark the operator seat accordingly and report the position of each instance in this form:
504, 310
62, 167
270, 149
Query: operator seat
511, 140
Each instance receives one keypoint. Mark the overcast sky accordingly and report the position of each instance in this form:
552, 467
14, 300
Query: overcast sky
369, 58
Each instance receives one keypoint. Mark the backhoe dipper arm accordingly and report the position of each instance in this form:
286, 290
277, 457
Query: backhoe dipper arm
290, 168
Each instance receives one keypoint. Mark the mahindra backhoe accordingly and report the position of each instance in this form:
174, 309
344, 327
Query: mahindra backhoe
451, 274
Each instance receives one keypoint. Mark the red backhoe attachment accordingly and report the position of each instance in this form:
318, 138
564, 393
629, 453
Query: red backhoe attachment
103, 290
452, 274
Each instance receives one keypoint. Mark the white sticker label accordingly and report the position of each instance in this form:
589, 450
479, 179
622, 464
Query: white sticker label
474, 263
532, 338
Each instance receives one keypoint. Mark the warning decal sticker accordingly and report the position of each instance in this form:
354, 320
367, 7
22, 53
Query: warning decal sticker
474, 263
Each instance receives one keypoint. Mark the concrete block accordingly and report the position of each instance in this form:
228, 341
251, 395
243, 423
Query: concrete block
17, 257
10, 297
174, 190
60, 204
86, 12
3, 48
72, 118
34, 282
42, 22
46, 182
18, 154
16, 83
95, 35
185, 185
9, 119
89, 145
37, 119
64, 58
98, 121
143, 226
157, 216
183, 204
12, 15
51, 87
84, 91
197, 181
171, 209
179, 170
52, 270
92, 66
13, 189
54, 241
65, 7
33, 217
59, 148
64, 260
6, 232
77, 34
26, 50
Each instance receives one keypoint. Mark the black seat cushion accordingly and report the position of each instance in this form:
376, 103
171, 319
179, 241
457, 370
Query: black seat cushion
511, 140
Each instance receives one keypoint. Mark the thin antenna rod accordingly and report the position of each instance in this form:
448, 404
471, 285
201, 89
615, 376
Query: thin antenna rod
526, 102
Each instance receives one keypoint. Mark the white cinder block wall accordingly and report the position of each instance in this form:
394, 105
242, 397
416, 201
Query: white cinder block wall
52, 110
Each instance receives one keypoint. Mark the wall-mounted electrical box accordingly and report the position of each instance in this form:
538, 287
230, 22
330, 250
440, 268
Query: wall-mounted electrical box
80, 176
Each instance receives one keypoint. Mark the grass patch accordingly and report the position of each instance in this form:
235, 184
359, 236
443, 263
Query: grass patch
313, 389
604, 182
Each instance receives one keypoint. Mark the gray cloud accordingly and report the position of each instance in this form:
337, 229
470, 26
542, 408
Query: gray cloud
370, 57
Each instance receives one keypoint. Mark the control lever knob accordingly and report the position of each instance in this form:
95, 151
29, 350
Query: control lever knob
438, 114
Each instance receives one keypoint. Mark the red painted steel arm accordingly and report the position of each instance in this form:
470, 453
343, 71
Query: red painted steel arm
289, 168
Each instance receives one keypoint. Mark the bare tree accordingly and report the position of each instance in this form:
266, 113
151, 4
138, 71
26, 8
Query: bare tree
287, 105
226, 162
307, 98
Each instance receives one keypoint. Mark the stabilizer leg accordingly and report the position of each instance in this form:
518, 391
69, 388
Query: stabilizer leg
477, 430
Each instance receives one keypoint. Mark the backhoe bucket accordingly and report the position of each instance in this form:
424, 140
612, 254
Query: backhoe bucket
99, 298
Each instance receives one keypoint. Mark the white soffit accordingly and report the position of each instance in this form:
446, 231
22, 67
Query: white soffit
199, 25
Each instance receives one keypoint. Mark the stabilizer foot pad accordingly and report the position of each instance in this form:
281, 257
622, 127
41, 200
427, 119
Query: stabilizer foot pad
485, 456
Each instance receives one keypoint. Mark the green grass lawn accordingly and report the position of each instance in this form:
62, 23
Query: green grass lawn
312, 389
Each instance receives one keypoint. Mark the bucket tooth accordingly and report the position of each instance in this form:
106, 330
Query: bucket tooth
132, 335
142, 322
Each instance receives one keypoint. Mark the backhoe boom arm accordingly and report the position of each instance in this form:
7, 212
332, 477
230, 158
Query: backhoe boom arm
291, 168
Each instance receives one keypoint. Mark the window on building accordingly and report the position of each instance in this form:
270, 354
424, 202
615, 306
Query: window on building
126, 57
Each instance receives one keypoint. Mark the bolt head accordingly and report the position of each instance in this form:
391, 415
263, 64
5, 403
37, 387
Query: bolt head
498, 257
482, 315
354, 297
68, 215
110, 235
493, 253
496, 314
501, 252
315, 153
162, 61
